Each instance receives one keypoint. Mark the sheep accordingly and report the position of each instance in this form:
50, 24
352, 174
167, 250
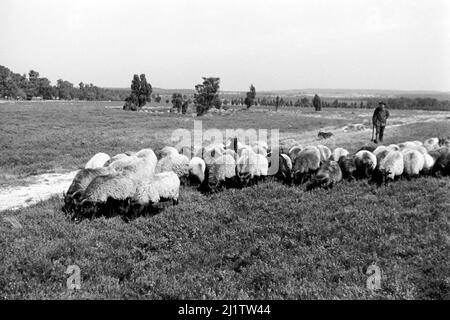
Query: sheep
197, 168
393, 147
328, 174
325, 152
106, 195
122, 162
188, 151
84, 177
233, 144
147, 158
230, 152
211, 153
284, 172
365, 162
431, 144
119, 156
367, 148
293, 151
286, 144
175, 162
381, 155
163, 186
444, 142
338, 153
260, 150
380, 149
428, 164
97, 161
262, 144
130, 153
306, 163
250, 167
142, 168
407, 144
116, 186
442, 165
245, 149
348, 167
391, 167
79, 184
166, 151
413, 162
219, 174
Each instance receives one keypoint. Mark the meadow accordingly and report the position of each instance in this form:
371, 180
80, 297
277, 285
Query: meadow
267, 241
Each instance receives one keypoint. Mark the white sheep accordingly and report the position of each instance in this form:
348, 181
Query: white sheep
413, 162
325, 152
123, 161
230, 152
220, 173
407, 145
428, 163
379, 149
117, 157
338, 153
392, 147
175, 162
391, 166
197, 168
97, 161
251, 166
431, 144
161, 187
260, 150
115, 186
84, 177
212, 152
261, 144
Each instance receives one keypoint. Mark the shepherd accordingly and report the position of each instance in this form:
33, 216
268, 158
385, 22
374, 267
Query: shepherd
379, 119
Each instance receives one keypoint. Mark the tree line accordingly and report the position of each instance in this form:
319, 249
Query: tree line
32, 85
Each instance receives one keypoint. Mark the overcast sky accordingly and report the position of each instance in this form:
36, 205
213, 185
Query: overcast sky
274, 44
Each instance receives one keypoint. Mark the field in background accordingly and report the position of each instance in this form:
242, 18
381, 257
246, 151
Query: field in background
40, 137
268, 241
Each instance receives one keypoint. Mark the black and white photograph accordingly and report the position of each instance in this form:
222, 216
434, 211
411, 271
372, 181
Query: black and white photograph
247, 151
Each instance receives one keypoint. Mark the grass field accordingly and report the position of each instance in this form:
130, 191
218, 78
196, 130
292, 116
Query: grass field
267, 241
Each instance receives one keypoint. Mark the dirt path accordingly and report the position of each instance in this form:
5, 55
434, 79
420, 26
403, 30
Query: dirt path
46, 186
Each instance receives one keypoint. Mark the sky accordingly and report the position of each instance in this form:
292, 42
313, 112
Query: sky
273, 44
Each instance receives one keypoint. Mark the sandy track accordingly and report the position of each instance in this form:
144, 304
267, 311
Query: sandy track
46, 186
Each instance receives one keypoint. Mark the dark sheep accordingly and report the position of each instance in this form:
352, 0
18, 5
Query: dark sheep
327, 175
367, 148
442, 165
348, 167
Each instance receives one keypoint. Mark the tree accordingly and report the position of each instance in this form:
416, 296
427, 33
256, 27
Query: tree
64, 90
317, 103
141, 92
145, 91
250, 97
207, 95
44, 89
177, 101
277, 103
32, 86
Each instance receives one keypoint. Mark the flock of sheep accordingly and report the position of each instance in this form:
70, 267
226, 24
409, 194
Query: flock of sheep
132, 183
